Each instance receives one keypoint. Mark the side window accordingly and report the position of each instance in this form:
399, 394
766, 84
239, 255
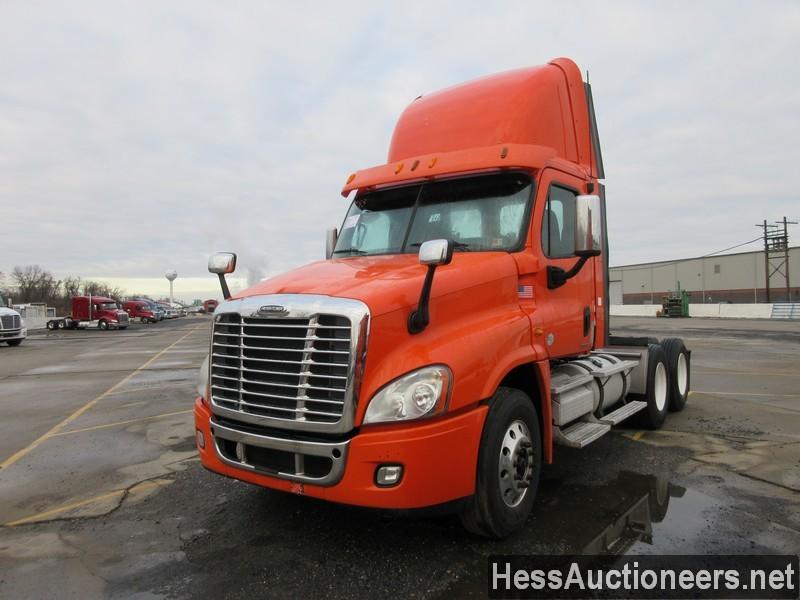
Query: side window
558, 223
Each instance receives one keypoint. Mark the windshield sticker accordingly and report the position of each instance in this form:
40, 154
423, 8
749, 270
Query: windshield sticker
435, 218
350, 222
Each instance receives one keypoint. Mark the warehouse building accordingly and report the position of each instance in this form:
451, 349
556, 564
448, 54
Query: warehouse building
737, 278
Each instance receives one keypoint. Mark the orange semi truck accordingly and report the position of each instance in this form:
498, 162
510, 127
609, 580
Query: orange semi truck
458, 328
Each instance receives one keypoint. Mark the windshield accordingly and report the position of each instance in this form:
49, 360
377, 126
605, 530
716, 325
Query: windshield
483, 213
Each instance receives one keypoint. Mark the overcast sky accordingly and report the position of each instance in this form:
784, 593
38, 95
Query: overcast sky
140, 136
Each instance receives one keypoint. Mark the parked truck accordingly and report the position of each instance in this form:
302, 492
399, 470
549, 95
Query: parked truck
92, 312
12, 325
141, 310
458, 328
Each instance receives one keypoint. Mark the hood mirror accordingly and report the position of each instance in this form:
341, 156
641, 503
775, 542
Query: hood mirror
222, 263
436, 252
431, 253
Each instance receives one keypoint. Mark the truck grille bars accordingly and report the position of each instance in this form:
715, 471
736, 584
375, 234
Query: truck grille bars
10, 322
293, 370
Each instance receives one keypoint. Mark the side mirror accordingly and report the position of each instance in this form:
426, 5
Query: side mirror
331, 236
588, 228
222, 263
432, 254
588, 233
436, 252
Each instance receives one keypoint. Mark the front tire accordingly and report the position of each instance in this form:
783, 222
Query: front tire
15, 342
103, 325
509, 467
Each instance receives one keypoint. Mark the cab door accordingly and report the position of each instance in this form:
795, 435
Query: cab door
566, 313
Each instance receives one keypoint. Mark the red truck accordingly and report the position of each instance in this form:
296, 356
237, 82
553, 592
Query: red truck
458, 328
139, 309
92, 311
209, 306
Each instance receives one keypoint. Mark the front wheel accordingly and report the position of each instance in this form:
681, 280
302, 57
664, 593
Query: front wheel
103, 325
509, 466
15, 342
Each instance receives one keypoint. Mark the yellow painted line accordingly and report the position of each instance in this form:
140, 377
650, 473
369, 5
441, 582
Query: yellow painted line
55, 429
638, 435
67, 507
117, 423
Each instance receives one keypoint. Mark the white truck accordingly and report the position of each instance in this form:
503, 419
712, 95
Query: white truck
12, 325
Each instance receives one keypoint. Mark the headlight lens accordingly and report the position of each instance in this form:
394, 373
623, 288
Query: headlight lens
421, 393
201, 386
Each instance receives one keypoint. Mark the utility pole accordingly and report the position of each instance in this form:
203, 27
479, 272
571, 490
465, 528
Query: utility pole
776, 253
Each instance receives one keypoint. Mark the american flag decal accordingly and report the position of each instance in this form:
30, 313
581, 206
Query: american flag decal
525, 291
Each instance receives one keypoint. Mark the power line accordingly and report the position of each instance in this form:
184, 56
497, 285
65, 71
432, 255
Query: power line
674, 262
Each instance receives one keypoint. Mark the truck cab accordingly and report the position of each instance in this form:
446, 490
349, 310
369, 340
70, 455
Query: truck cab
99, 311
12, 325
458, 327
139, 309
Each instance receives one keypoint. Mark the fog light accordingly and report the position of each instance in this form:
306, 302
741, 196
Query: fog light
201, 440
388, 475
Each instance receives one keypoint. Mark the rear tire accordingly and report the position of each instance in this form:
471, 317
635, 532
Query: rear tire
51, 325
62, 324
679, 365
509, 466
657, 394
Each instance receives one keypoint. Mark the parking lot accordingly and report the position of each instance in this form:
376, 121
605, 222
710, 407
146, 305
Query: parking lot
101, 493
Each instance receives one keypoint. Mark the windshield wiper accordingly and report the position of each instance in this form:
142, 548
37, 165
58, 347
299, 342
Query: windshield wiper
456, 246
351, 251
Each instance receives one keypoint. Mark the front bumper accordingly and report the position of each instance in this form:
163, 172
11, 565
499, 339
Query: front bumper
13, 334
439, 460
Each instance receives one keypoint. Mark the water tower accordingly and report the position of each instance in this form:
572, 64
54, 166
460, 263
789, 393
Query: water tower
171, 276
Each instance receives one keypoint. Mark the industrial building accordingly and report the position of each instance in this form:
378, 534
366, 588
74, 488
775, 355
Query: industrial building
738, 278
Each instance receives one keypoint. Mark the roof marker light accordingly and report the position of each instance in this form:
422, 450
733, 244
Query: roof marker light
432, 163
350, 178
414, 165
504, 152
398, 168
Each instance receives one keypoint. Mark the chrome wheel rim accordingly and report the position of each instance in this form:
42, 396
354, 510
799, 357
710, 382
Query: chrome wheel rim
515, 464
683, 374
660, 387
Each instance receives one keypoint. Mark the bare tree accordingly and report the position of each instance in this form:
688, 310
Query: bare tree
35, 284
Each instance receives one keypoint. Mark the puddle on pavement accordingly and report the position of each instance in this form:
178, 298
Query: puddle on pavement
634, 513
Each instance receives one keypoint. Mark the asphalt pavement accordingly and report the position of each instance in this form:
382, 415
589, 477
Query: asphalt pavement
101, 494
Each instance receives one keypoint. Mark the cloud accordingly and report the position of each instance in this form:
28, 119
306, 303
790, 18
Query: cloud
136, 137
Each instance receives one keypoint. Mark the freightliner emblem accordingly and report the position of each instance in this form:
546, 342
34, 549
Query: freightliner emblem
273, 309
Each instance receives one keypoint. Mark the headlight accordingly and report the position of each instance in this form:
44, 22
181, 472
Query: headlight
421, 393
201, 386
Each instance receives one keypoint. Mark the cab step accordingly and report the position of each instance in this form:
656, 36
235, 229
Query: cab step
581, 433
623, 412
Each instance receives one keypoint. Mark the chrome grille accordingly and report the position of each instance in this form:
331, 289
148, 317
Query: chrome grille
11, 321
123, 318
282, 368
